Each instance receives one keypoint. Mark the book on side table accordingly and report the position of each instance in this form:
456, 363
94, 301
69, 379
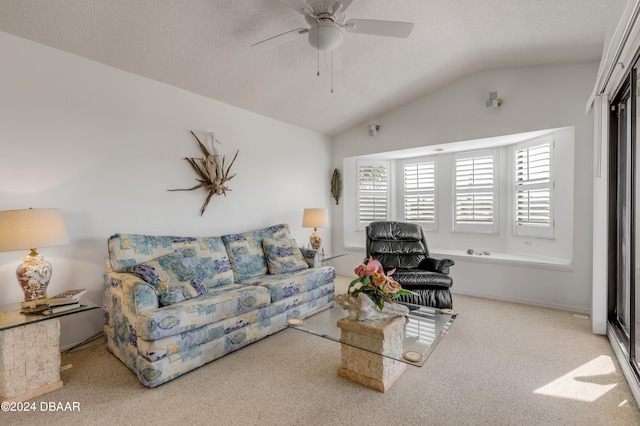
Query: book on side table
44, 309
64, 301
69, 296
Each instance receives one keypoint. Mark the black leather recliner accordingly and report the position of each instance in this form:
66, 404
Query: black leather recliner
403, 246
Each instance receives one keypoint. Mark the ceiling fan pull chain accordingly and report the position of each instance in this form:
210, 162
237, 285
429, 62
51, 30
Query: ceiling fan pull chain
332, 71
318, 37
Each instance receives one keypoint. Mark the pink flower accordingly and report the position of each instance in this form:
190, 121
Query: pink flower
360, 271
372, 266
379, 278
392, 286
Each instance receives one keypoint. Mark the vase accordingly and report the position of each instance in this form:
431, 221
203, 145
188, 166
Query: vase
364, 308
34, 275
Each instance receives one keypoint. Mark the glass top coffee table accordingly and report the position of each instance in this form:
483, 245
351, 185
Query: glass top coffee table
376, 351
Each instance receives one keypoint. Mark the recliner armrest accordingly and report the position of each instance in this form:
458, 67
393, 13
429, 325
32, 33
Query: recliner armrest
436, 265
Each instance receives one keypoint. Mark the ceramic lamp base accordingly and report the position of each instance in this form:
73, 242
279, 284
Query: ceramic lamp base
315, 240
34, 276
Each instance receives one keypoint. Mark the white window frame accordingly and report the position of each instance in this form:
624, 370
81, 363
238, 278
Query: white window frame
532, 229
376, 193
473, 189
425, 189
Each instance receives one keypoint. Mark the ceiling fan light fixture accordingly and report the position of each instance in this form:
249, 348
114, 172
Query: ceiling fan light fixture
325, 35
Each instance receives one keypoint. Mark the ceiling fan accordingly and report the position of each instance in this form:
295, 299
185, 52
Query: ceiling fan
327, 26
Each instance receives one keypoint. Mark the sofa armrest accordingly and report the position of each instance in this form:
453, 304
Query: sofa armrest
125, 296
132, 293
436, 265
311, 256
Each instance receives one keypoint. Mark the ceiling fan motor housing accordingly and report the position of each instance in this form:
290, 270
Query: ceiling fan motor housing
325, 35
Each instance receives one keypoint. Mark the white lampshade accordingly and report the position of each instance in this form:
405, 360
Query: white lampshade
315, 218
31, 229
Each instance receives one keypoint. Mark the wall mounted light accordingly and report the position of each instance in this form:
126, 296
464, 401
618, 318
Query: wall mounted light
373, 129
494, 101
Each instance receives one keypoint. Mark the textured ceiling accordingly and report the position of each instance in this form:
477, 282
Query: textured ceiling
203, 46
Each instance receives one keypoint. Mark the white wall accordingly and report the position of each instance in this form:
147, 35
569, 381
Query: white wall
534, 99
104, 146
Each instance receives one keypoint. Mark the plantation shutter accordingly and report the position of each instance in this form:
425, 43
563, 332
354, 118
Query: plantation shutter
373, 191
533, 188
475, 191
420, 191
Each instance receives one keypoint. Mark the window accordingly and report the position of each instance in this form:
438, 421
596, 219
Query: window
372, 191
494, 194
475, 191
533, 188
419, 195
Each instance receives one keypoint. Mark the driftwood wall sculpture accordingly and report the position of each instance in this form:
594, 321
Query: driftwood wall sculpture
211, 173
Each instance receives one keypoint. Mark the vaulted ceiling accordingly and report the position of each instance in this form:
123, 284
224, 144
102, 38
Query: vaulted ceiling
204, 46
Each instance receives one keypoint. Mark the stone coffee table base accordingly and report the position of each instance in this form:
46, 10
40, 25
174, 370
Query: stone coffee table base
379, 335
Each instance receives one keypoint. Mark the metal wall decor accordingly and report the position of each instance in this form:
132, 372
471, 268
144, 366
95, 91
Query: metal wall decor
336, 185
211, 173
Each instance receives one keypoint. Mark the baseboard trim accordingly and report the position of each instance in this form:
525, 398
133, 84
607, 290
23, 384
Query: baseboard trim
543, 304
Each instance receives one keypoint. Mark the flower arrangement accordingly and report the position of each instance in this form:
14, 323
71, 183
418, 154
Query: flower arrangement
375, 284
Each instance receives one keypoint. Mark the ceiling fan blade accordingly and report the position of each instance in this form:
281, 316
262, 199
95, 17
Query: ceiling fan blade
382, 28
299, 6
280, 39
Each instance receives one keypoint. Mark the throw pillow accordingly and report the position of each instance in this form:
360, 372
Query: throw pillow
246, 253
172, 277
283, 255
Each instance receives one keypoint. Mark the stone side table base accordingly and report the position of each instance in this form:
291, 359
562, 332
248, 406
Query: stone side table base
30, 360
34, 393
381, 335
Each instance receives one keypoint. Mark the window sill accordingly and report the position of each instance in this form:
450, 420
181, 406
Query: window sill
505, 259
498, 258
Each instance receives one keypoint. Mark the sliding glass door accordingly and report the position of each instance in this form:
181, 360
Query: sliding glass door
632, 294
624, 215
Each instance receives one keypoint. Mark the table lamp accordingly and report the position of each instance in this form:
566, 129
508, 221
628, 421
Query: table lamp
29, 229
315, 218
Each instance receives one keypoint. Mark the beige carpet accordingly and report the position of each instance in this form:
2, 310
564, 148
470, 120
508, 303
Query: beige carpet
500, 364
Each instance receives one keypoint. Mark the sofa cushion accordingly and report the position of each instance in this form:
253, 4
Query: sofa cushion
245, 250
212, 265
291, 283
217, 304
283, 255
172, 276
272, 315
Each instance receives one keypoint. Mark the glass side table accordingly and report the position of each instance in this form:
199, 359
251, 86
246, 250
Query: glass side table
30, 352
326, 258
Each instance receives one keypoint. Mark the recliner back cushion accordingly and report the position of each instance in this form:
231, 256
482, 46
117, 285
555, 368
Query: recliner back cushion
397, 254
394, 231
396, 244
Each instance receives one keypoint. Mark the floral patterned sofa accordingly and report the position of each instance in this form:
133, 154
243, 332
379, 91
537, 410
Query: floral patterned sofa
172, 304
